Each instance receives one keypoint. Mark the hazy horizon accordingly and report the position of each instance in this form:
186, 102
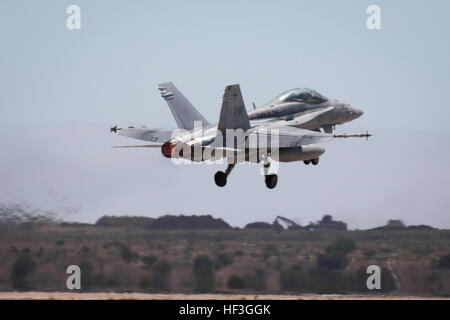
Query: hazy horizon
63, 169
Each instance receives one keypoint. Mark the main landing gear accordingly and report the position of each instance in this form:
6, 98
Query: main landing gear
221, 177
313, 161
270, 179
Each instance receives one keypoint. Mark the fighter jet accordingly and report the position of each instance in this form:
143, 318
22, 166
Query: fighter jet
275, 131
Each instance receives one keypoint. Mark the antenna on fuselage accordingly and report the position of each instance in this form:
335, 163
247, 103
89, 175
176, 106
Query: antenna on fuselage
254, 106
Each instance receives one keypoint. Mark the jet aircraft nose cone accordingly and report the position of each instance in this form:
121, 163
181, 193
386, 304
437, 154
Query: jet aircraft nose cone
357, 112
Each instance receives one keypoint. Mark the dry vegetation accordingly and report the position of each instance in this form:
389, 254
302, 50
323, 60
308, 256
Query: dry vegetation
224, 261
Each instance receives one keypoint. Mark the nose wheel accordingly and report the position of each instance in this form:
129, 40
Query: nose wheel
313, 161
220, 178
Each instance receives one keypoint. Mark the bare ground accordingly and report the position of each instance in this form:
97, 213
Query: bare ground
147, 296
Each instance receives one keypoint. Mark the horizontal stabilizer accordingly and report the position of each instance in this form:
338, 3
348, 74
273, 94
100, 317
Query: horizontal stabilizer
141, 146
146, 134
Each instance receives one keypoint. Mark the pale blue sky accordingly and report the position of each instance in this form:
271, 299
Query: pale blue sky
107, 73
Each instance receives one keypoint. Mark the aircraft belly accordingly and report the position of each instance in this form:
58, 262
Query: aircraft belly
299, 153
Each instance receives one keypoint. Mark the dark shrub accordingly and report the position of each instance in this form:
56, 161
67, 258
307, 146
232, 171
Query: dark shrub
256, 280
85, 249
204, 274
324, 280
128, 255
238, 253
332, 261
124, 251
223, 259
444, 262
236, 282
316, 280
148, 261
145, 282
21, 269
369, 253
40, 253
161, 273
88, 278
293, 279
342, 245
270, 250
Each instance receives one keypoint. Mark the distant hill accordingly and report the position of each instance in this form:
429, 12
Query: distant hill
166, 222
259, 225
327, 223
169, 222
420, 227
124, 221
400, 225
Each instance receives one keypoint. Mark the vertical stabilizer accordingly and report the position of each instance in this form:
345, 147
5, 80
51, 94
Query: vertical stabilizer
183, 111
233, 114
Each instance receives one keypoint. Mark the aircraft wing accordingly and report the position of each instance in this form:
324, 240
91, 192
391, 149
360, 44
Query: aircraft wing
292, 137
152, 135
304, 118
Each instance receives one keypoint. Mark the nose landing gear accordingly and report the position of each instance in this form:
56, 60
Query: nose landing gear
313, 161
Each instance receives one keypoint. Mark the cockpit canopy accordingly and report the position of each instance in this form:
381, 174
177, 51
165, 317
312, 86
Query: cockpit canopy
299, 95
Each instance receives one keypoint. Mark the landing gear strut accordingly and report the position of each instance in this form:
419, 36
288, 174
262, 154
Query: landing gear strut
270, 179
220, 178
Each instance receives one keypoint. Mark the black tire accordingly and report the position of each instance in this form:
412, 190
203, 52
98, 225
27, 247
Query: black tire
315, 161
271, 181
220, 179
306, 162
